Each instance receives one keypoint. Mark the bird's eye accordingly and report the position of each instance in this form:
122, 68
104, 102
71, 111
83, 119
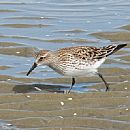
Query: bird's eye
41, 58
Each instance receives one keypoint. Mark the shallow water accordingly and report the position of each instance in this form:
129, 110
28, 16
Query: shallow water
26, 26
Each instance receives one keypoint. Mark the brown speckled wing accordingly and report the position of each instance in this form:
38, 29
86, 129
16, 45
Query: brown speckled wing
88, 53
92, 53
81, 52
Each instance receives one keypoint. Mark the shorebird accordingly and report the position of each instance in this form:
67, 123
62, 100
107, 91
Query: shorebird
76, 61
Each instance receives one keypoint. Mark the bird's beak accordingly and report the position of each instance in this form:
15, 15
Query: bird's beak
32, 68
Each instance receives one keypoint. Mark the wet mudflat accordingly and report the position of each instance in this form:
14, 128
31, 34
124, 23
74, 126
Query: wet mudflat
81, 111
39, 102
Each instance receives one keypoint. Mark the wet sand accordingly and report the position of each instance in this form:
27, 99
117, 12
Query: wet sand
23, 106
92, 110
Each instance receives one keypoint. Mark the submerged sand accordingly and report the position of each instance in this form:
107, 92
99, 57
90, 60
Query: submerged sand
23, 106
121, 35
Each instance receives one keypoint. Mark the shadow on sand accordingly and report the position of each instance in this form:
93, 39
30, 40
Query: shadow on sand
26, 88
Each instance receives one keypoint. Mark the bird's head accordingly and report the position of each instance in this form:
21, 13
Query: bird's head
41, 59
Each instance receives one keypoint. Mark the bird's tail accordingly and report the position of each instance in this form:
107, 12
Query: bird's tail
113, 48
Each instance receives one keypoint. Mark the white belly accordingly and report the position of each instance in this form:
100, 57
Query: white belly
83, 69
76, 73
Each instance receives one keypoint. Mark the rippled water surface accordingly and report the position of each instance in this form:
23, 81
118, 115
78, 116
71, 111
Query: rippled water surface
29, 25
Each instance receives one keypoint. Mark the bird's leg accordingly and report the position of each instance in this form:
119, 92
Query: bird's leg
106, 84
73, 82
